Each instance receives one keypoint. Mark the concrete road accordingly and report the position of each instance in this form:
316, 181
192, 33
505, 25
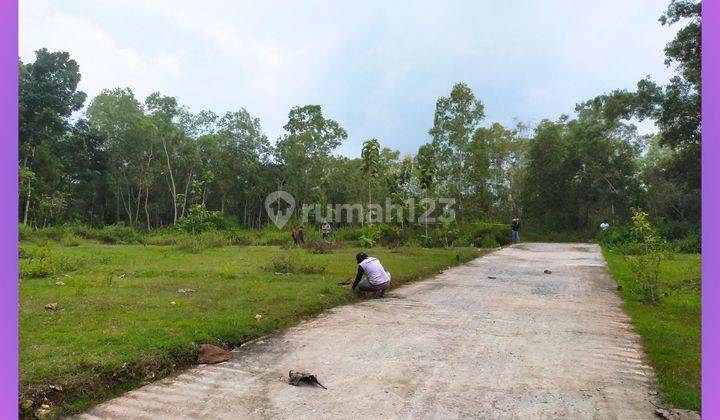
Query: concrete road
494, 338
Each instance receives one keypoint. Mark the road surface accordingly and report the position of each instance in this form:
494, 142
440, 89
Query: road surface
494, 338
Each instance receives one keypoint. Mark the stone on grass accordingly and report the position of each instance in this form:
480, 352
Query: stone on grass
59, 283
51, 306
210, 354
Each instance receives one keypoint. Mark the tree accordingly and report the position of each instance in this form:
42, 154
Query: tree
119, 118
456, 118
675, 108
371, 167
427, 168
48, 96
305, 149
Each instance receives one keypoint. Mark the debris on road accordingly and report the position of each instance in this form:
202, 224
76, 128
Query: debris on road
676, 414
51, 306
547, 271
492, 277
297, 377
210, 354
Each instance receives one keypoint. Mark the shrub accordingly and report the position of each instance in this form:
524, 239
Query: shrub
347, 234
200, 219
646, 265
488, 241
119, 235
70, 240
284, 264
41, 262
691, 244
369, 235
273, 236
487, 235
322, 247
25, 232
200, 242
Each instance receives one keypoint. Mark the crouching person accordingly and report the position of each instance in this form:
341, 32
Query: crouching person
376, 278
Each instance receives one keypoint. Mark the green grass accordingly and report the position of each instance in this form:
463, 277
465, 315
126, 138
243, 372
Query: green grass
670, 330
116, 326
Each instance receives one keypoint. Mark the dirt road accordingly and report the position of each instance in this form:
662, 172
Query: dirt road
522, 344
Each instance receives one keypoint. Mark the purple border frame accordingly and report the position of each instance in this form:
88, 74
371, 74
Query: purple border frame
710, 204
9, 209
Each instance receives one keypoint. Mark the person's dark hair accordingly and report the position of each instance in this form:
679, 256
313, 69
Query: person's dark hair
360, 257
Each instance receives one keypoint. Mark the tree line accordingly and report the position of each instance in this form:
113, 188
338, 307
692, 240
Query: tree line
119, 159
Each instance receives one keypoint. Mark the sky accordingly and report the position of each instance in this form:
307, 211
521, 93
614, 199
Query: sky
376, 67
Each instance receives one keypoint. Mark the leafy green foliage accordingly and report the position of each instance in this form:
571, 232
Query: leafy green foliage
119, 235
42, 261
646, 265
199, 219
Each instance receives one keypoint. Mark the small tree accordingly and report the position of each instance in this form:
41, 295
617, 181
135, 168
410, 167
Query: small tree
646, 265
427, 168
371, 167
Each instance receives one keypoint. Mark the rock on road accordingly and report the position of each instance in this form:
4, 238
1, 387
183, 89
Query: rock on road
459, 345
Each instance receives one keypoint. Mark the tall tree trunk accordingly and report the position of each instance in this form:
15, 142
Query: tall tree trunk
137, 205
27, 203
27, 196
117, 207
173, 190
185, 196
147, 214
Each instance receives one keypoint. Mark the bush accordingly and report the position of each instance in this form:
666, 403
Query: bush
646, 265
200, 242
487, 235
347, 234
691, 244
70, 240
273, 236
369, 236
200, 219
488, 241
25, 232
322, 247
41, 262
119, 235
284, 264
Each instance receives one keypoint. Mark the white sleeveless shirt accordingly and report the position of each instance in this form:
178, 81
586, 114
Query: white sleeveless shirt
374, 270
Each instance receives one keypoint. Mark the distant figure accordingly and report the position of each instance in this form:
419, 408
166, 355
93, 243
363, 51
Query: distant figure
515, 225
604, 225
376, 278
301, 235
325, 230
294, 232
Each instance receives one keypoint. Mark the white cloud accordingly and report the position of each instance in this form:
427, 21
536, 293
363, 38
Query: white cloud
376, 66
104, 63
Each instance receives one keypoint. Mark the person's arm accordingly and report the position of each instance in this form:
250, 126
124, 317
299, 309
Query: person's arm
358, 276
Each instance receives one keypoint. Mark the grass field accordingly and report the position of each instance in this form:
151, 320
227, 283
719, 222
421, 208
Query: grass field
121, 319
670, 330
